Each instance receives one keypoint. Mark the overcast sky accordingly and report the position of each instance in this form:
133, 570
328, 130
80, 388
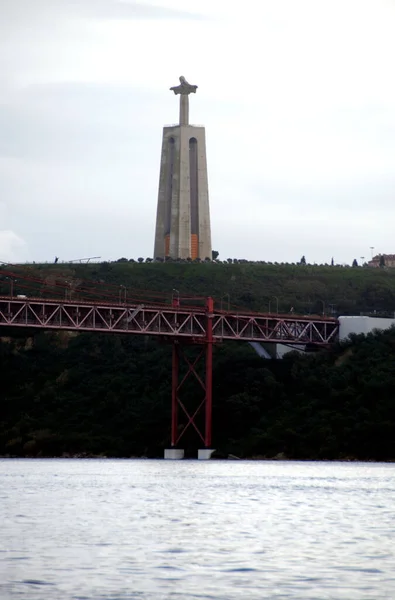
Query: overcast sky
298, 101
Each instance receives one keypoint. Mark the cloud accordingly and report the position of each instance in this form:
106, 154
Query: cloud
127, 9
18, 12
296, 99
12, 247
72, 40
65, 122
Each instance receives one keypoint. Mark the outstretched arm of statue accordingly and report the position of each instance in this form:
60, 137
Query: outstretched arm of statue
184, 87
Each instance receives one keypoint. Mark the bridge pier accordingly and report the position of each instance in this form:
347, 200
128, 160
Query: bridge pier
174, 454
199, 418
205, 453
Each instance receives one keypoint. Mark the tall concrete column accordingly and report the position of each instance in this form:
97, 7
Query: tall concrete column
183, 215
184, 109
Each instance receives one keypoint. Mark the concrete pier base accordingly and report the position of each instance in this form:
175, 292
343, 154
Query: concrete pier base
205, 453
174, 454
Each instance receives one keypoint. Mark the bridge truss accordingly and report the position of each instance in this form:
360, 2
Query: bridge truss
202, 326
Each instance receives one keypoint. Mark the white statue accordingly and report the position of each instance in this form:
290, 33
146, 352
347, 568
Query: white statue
184, 88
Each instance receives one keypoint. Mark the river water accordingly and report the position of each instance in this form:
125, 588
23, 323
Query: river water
218, 530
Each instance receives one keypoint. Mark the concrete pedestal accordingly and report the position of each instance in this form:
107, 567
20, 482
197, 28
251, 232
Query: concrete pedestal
205, 453
183, 227
174, 454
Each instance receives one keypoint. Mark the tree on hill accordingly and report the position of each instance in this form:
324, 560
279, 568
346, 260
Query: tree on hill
303, 260
214, 254
354, 263
382, 261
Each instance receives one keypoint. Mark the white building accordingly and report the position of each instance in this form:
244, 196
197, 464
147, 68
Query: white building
362, 325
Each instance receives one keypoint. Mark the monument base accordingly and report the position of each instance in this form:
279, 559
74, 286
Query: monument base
205, 453
174, 454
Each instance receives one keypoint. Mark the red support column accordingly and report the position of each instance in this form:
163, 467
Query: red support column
174, 394
190, 414
209, 372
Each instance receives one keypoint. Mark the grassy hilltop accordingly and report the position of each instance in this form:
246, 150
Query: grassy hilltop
307, 288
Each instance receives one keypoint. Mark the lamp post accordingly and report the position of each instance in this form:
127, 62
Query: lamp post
270, 302
323, 307
12, 281
122, 292
226, 296
67, 288
175, 301
371, 250
332, 308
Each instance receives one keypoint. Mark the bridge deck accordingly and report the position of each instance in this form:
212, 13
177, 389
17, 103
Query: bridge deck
164, 320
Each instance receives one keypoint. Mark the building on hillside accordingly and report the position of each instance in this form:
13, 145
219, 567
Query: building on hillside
355, 324
347, 325
382, 260
183, 214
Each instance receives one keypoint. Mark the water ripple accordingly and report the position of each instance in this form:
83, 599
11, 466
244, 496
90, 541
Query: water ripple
155, 530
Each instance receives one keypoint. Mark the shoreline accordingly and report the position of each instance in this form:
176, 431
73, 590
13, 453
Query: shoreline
217, 459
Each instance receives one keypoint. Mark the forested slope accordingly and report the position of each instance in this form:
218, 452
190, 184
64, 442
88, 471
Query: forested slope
306, 288
110, 395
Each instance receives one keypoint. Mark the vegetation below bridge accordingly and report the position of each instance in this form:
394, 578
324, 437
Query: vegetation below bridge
109, 395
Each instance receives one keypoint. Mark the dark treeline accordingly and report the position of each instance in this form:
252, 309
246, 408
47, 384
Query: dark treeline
110, 395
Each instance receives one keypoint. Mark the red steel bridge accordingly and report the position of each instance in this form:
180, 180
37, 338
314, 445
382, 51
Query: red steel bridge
202, 326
